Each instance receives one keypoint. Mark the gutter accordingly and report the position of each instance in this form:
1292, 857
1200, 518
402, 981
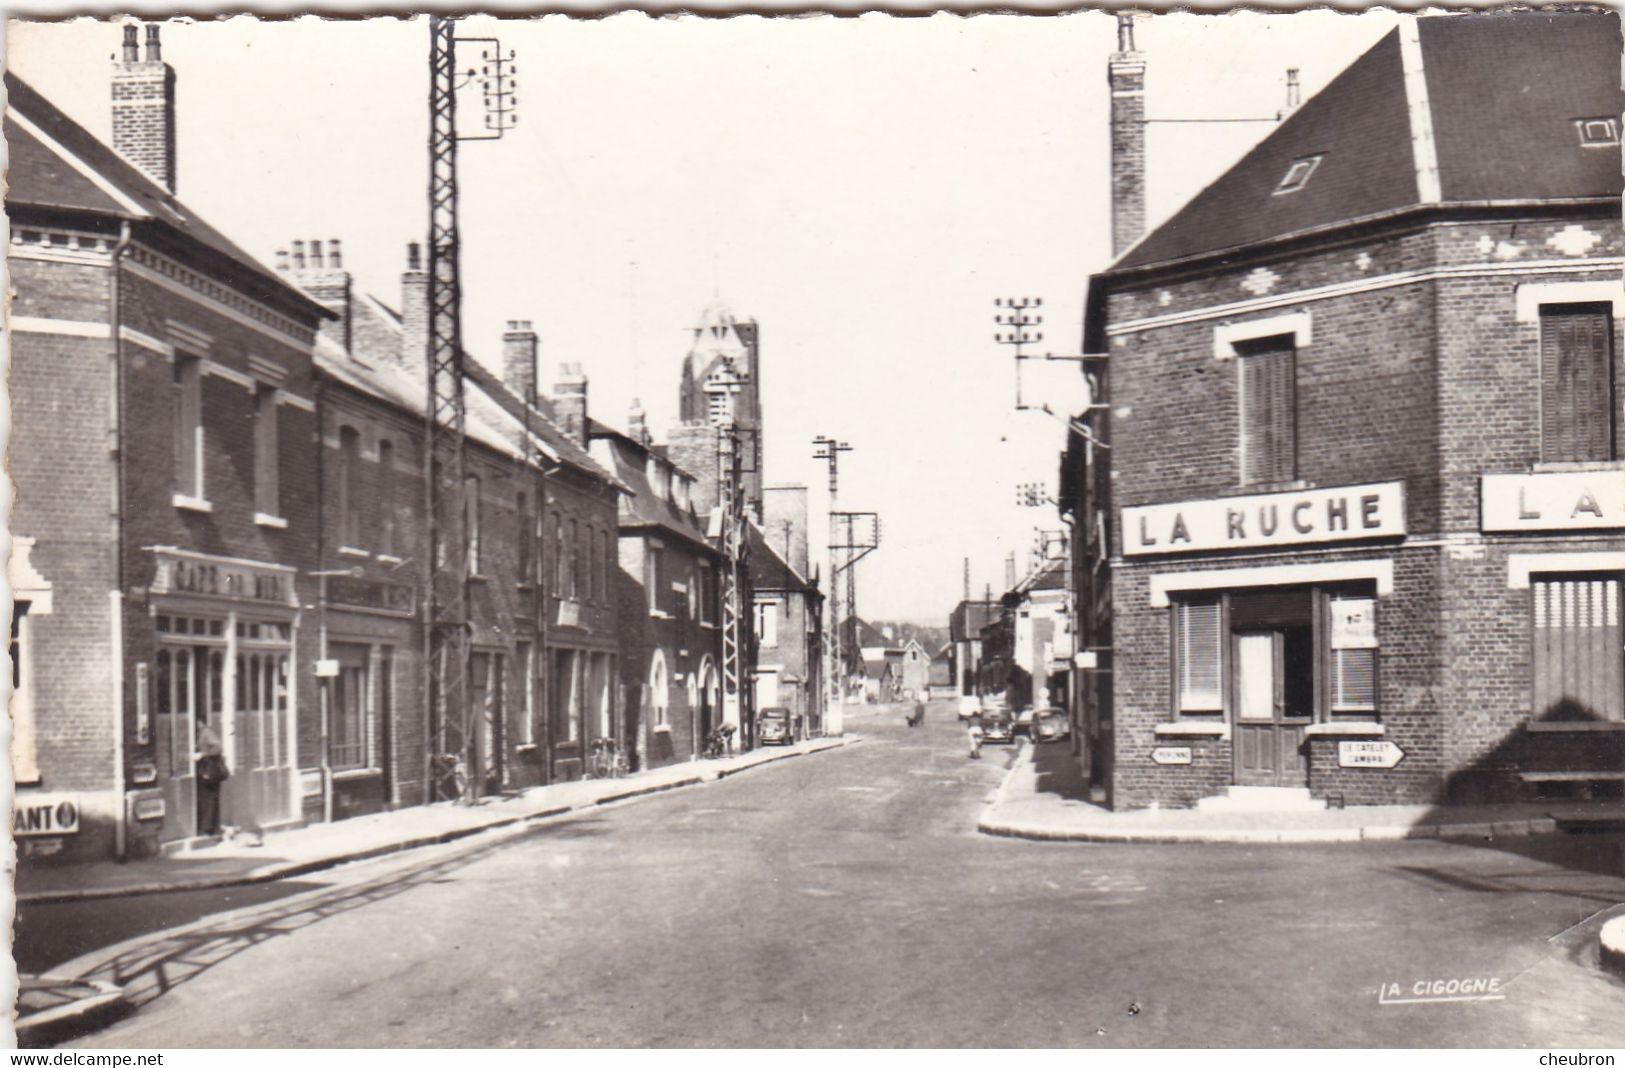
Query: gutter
1208, 257
116, 602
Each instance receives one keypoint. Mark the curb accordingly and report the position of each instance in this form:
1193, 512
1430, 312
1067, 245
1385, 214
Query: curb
1288, 836
989, 825
277, 872
1612, 939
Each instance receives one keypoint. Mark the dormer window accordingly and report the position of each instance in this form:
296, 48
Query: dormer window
1598, 133
1297, 175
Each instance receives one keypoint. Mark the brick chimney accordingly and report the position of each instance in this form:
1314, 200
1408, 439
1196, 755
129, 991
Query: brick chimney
1126, 73
519, 352
570, 402
637, 424
320, 272
696, 449
144, 107
414, 354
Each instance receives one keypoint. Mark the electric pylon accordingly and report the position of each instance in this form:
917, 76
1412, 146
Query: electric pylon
447, 564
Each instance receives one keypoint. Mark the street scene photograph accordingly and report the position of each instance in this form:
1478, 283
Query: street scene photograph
1093, 531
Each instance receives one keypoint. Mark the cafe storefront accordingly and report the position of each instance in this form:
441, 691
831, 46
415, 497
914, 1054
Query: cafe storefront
224, 643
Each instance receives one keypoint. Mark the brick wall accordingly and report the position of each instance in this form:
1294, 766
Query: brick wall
1431, 381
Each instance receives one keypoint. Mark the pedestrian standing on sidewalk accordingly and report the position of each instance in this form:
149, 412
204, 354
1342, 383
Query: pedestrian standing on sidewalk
975, 737
211, 772
919, 710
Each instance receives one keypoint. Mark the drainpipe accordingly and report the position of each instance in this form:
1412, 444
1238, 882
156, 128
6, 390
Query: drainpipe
116, 602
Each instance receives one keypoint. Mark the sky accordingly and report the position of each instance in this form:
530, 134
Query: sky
862, 187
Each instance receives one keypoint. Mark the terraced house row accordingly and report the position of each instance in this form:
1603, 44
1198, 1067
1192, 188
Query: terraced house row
219, 532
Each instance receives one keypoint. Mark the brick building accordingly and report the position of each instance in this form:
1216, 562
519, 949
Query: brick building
667, 579
163, 532
1368, 505
789, 610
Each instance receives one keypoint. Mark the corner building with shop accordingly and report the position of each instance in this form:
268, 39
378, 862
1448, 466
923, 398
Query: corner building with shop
1367, 496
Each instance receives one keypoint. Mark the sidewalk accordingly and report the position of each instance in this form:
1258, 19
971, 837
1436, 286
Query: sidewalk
1043, 797
285, 854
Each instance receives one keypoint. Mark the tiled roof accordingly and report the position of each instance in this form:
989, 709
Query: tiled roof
768, 569
542, 427
1503, 89
57, 165
643, 506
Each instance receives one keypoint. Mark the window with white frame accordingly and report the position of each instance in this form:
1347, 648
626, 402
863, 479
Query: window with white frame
1269, 401
267, 453
388, 540
349, 487
24, 758
350, 710
1199, 655
767, 623
1352, 652
473, 522
1576, 382
651, 576
527, 717
188, 413
659, 690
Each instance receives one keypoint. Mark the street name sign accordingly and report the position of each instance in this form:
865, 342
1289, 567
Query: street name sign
1368, 754
1171, 754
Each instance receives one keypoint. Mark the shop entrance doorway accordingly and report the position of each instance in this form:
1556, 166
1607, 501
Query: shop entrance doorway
1273, 645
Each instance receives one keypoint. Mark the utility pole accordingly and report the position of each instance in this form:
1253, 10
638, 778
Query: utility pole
829, 450
859, 536
447, 563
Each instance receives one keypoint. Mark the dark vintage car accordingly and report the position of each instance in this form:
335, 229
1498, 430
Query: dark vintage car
774, 727
997, 727
1049, 725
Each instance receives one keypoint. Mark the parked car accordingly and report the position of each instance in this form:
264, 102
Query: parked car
773, 727
997, 726
1024, 721
1049, 725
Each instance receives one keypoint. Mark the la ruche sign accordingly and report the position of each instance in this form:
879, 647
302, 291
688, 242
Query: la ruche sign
1265, 520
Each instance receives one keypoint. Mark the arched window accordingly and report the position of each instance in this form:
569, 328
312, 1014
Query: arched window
659, 689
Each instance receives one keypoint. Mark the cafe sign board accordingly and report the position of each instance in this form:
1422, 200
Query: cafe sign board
1553, 500
197, 575
1267, 520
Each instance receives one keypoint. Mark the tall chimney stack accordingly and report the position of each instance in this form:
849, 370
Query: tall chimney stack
1294, 94
414, 353
1126, 73
144, 108
570, 402
519, 352
325, 279
637, 424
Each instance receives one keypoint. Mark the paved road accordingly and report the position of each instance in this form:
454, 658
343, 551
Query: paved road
844, 899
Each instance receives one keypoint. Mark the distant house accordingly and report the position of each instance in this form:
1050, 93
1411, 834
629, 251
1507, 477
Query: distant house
789, 610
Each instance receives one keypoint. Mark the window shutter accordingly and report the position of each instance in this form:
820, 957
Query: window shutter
1269, 410
1576, 376
1578, 661
1199, 657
